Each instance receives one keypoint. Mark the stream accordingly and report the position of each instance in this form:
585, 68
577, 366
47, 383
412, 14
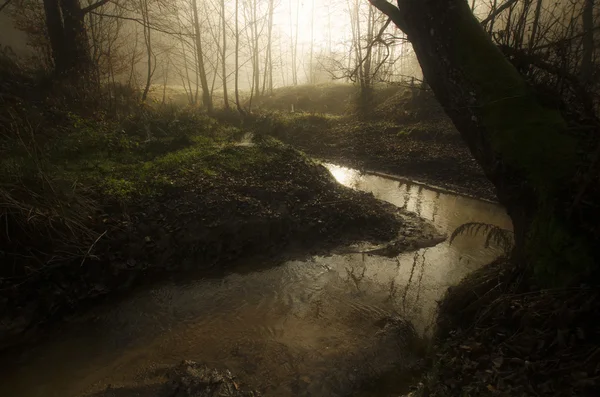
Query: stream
302, 328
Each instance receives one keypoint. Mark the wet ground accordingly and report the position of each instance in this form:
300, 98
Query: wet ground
304, 328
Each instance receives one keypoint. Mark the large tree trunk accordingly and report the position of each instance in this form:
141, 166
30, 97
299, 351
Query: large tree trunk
521, 145
68, 38
56, 32
76, 42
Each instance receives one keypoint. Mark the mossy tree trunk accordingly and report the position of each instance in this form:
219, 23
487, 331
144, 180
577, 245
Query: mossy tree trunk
521, 145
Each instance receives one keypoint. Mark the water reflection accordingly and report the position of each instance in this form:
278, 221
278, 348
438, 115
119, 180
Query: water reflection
423, 275
299, 329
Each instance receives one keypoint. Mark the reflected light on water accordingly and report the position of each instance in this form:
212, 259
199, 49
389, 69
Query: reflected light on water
345, 176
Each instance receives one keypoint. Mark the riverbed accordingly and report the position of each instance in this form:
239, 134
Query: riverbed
302, 328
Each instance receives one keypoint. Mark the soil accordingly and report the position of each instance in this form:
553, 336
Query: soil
290, 204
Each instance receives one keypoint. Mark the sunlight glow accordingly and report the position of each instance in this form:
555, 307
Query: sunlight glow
345, 176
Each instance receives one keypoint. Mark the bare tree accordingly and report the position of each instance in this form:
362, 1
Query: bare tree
150, 66
206, 97
268, 69
535, 25
237, 59
294, 41
224, 56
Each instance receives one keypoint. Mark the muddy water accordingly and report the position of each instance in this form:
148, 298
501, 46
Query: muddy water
299, 329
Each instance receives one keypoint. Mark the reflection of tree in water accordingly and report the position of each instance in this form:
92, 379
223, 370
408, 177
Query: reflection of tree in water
419, 200
356, 278
435, 206
422, 271
406, 197
418, 256
393, 287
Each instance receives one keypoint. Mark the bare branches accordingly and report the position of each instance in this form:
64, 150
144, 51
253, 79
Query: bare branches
3, 6
145, 25
377, 39
393, 12
499, 11
94, 6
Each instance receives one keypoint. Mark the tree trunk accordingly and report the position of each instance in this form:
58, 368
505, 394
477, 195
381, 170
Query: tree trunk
493, 19
188, 89
536, 24
224, 56
56, 33
294, 41
520, 144
268, 72
148, 41
206, 98
311, 74
68, 38
77, 54
255, 50
237, 59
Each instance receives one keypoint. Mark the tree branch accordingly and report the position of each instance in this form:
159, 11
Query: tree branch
139, 21
7, 2
92, 7
498, 11
391, 11
565, 40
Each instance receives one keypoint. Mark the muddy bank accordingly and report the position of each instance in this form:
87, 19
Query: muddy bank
188, 379
363, 373
204, 222
430, 151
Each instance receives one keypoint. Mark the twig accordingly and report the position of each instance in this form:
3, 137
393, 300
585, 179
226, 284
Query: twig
7, 2
498, 11
91, 247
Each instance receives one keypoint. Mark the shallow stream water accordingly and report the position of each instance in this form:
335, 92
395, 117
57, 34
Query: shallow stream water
303, 328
